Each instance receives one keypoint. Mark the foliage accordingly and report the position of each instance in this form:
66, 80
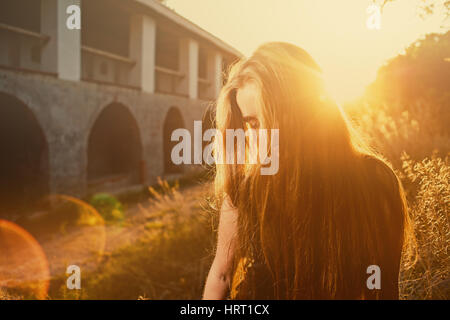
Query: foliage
170, 262
422, 72
429, 277
427, 7
108, 206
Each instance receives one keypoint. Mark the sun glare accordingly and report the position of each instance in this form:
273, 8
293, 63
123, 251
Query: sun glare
335, 34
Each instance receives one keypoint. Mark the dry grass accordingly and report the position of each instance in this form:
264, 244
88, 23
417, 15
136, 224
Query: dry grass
171, 260
5, 295
429, 276
416, 141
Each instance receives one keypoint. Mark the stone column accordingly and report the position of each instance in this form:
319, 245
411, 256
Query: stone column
189, 67
215, 73
143, 51
62, 53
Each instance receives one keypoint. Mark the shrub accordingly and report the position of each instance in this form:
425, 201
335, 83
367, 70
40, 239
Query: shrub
170, 261
413, 140
108, 206
429, 276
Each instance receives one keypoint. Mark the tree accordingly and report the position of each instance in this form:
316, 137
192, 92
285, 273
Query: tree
423, 70
427, 7
417, 82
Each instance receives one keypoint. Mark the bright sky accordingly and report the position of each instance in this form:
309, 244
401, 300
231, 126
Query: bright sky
334, 32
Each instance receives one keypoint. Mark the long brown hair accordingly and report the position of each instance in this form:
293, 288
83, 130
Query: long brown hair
334, 207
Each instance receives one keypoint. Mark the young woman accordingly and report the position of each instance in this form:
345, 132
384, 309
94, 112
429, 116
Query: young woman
333, 209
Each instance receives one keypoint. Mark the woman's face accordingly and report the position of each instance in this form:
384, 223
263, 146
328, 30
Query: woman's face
248, 102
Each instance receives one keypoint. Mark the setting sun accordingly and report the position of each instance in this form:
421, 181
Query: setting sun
243, 151
333, 32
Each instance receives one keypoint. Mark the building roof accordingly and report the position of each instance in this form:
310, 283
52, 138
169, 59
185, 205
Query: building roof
176, 18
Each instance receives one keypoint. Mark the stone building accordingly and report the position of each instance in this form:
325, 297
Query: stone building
82, 110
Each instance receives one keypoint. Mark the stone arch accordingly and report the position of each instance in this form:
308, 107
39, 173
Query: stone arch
24, 164
114, 153
174, 120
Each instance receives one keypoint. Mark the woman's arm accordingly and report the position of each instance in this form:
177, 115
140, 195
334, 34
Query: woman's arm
219, 277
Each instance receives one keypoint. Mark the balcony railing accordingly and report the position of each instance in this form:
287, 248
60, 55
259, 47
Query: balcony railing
105, 67
204, 89
21, 48
167, 80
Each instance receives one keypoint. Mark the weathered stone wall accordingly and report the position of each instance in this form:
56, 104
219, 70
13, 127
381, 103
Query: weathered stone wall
67, 110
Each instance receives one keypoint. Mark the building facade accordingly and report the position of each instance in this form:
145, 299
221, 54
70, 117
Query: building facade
84, 109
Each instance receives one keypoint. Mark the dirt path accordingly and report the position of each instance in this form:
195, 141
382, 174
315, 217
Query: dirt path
87, 246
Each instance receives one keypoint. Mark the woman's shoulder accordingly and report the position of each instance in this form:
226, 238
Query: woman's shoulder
385, 189
380, 171
387, 198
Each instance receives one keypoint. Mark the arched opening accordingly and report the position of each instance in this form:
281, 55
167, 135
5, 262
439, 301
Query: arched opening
24, 163
114, 149
173, 121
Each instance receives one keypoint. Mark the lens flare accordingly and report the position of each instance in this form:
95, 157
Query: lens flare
23, 263
71, 232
